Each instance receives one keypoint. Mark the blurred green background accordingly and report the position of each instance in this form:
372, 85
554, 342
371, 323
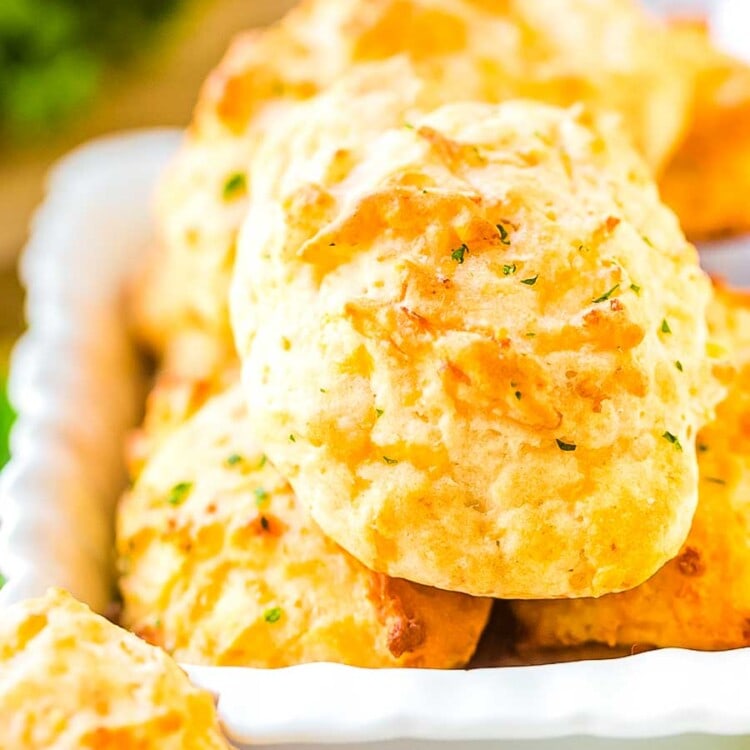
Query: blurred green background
53, 55
11, 321
74, 69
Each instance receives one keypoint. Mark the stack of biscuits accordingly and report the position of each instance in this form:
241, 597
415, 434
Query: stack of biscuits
430, 331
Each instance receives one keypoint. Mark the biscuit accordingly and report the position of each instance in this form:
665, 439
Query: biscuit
221, 565
609, 54
707, 183
195, 367
71, 679
478, 352
701, 599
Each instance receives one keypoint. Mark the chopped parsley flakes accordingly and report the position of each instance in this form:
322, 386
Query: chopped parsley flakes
235, 186
635, 288
531, 281
567, 447
3, 581
715, 480
292, 439
390, 461
379, 412
678, 365
459, 252
606, 295
665, 326
670, 438
178, 494
261, 496
509, 269
272, 615
234, 459
503, 234
518, 395
262, 461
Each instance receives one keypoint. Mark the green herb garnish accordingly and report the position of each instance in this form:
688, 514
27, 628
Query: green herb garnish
178, 494
665, 326
3, 581
678, 365
669, 437
567, 447
503, 234
292, 439
261, 496
272, 615
518, 395
509, 269
715, 480
390, 460
234, 459
635, 288
379, 412
531, 281
459, 252
606, 295
235, 186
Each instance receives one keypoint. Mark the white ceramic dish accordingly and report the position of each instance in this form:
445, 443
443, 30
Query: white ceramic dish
76, 384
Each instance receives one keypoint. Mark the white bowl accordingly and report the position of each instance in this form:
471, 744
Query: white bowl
77, 386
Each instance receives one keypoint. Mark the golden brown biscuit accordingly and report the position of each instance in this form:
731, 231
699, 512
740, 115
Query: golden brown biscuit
701, 599
479, 352
607, 53
708, 181
221, 565
195, 367
71, 679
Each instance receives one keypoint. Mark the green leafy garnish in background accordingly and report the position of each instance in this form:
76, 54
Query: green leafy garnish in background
53, 54
6, 419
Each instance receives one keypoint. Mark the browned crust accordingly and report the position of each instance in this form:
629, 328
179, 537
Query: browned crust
406, 633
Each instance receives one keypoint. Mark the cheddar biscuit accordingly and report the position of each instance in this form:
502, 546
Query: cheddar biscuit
462, 349
71, 679
221, 565
707, 183
701, 599
607, 53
